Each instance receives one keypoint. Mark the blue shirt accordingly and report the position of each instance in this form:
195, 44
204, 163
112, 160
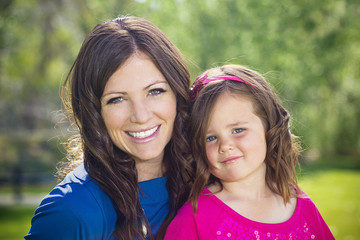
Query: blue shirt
77, 208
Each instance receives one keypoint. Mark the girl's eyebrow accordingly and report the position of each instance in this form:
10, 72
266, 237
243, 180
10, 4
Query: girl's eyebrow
237, 123
231, 125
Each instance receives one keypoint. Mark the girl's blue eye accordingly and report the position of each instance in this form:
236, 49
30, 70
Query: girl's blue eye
210, 138
238, 130
115, 100
156, 91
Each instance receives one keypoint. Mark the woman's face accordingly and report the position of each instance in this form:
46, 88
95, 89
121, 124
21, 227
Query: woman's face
139, 109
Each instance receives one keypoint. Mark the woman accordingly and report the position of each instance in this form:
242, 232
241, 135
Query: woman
128, 93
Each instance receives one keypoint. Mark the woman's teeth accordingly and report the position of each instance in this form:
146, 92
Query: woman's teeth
143, 134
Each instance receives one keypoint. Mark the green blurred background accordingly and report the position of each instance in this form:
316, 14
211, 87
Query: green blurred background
308, 50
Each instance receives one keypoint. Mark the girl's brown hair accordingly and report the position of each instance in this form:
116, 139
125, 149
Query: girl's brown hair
104, 50
282, 147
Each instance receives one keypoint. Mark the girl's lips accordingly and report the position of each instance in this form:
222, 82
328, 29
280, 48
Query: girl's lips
230, 160
143, 134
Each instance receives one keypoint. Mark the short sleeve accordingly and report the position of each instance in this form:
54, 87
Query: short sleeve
183, 226
322, 231
74, 211
54, 220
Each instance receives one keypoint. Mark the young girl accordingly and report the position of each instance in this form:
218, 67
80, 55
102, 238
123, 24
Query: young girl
245, 155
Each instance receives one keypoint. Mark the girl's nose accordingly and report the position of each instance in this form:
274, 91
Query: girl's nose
140, 112
225, 146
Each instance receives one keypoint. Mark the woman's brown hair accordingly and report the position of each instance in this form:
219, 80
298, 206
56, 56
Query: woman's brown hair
282, 147
104, 50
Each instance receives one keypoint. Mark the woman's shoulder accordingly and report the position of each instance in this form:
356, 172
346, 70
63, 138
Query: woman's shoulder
77, 204
78, 192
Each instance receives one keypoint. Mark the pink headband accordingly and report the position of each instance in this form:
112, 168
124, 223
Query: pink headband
201, 81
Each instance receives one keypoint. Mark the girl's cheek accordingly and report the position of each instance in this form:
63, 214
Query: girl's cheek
211, 151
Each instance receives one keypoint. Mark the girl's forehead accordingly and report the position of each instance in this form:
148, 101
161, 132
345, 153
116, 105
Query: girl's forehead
231, 107
232, 98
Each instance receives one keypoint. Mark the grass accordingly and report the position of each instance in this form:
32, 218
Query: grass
334, 190
337, 196
15, 221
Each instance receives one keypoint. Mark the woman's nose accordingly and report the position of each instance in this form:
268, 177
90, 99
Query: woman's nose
225, 146
141, 113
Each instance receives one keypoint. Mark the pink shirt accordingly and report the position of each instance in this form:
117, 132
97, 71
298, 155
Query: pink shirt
216, 220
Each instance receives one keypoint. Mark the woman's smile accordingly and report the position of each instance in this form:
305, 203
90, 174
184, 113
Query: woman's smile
144, 134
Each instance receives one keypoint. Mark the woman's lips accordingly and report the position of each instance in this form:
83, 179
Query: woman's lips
143, 134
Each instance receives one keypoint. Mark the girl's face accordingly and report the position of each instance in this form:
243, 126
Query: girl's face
235, 140
139, 109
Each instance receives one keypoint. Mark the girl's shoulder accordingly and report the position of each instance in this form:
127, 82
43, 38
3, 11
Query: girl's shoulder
304, 200
205, 202
312, 218
189, 224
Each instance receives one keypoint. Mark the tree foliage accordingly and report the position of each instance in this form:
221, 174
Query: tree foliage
308, 50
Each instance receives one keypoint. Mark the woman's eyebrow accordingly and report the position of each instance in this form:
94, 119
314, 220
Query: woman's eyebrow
145, 88
156, 82
111, 93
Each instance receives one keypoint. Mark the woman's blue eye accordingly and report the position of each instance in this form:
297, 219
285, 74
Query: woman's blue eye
238, 130
210, 138
115, 100
156, 91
